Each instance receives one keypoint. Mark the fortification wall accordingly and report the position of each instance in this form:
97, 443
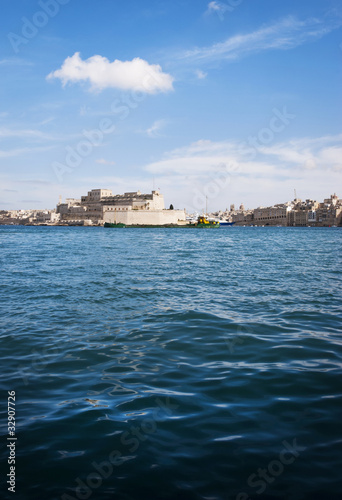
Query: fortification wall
143, 217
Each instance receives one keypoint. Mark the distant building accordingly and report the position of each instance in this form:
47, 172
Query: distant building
100, 206
276, 215
242, 217
313, 213
45, 217
329, 213
296, 213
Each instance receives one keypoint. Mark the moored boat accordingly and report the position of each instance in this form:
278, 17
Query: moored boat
225, 223
202, 221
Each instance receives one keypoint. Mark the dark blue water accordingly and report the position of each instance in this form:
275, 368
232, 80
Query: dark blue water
172, 364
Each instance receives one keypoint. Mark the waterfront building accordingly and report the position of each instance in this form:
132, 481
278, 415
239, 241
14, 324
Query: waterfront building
100, 206
303, 213
276, 215
329, 213
242, 217
296, 213
44, 217
313, 213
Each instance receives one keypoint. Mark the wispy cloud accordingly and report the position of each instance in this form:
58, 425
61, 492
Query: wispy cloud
136, 75
20, 151
204, 156
312, 165
103, 161
36, 182
47, 120
26, 133
14, 61
156, 127
324, 152
34, 134
201, 75
285, 34
216, 7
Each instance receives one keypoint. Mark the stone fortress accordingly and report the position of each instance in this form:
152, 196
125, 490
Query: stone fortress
134, 208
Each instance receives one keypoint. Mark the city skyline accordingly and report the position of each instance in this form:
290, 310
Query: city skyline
231, 100
240, 208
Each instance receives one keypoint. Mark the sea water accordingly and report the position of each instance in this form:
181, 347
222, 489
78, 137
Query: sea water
172, 363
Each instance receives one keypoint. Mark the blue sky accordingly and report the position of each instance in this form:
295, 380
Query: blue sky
236, 100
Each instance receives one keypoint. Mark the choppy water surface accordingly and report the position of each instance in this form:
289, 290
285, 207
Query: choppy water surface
173, 364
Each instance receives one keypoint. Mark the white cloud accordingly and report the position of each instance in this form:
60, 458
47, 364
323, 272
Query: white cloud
219, 8
20, 151
136, 75
154, 130
30, 135
221, 171
323, 152
15, 62
332, 157
204, 156
215, 7
102, 161
285, 34
47, 120
201, 75
26, 133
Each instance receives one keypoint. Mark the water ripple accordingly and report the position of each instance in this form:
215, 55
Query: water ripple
176, 363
